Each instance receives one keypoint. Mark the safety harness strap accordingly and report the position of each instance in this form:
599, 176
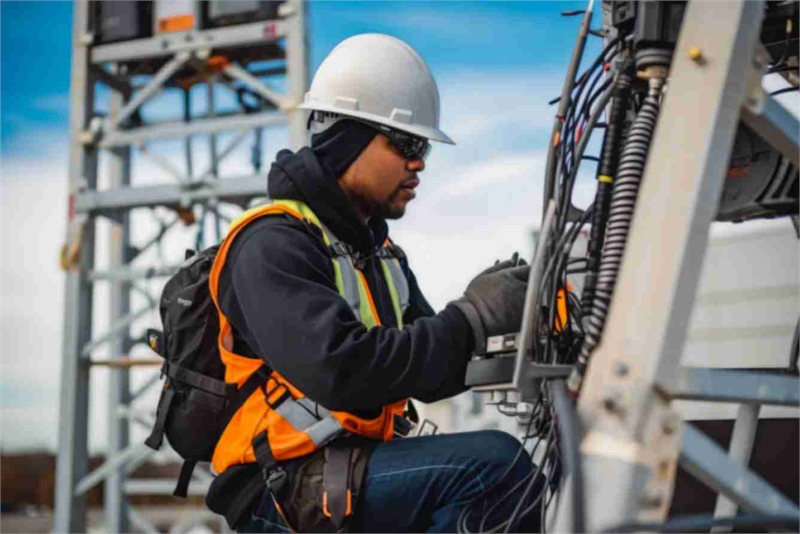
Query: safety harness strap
342, 256
398, 287
314, 407
320, 431
324, 431
275, 477
337, 497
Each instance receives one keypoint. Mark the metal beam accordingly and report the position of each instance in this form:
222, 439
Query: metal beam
227, 190
119, 325
740, 450
111, 464
152, 87
217, 158
706, 461
235, 71
117, 430
129, 274
645, 332
165, 164
772, 121
114, 82
141, 522
70, 512
257, 33
297, 61
156, 486
179, 129
723, 385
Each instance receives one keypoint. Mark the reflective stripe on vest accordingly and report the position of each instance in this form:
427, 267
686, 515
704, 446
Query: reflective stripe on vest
297, 425
398, 286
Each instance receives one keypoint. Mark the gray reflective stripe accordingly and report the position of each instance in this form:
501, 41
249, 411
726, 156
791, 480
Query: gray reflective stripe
349, 276
350, 282
296, 415
324, 431
314, 407
400, 282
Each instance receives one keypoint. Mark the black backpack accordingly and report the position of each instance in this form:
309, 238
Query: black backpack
195, 404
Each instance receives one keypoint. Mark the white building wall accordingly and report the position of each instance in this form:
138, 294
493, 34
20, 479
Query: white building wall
744, 317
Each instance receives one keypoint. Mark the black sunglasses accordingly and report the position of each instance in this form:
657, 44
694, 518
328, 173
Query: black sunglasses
412, 147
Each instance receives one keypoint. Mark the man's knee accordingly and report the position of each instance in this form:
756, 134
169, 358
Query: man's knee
501, 452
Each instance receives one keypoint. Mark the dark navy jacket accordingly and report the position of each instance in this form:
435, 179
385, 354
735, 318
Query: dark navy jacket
278, 291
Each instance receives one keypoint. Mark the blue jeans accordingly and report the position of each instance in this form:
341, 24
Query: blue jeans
423, 484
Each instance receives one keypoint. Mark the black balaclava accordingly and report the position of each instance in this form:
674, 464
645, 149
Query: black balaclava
339, 146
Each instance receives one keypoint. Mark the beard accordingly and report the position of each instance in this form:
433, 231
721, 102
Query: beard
391, 208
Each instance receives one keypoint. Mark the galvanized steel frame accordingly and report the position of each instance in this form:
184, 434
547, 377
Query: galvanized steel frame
633, 440
88, 136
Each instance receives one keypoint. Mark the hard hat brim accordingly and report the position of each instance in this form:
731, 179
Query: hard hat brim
432, 134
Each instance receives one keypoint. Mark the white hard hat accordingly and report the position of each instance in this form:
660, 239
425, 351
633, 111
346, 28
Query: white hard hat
378, 78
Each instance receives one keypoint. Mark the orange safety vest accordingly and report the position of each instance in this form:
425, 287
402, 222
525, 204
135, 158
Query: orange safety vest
296, 425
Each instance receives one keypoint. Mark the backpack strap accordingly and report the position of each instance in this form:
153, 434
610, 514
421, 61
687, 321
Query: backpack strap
156, 437
182, 487
198, 380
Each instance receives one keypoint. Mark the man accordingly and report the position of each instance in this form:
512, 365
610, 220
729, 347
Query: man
375, 106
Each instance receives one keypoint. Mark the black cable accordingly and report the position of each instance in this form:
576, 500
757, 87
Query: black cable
786, 45
552, 152
782, 68
518, 511
607, 94
554, 264
464, 515
575, 110
697, 523
569, 438
784, 90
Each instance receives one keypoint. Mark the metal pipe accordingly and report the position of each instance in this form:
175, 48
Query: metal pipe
741, 448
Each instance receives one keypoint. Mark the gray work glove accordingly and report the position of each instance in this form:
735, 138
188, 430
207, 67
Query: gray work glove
494, 301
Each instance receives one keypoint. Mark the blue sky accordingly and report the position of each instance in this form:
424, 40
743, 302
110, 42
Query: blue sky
481, 37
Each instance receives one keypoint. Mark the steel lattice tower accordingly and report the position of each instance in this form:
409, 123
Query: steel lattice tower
134, 72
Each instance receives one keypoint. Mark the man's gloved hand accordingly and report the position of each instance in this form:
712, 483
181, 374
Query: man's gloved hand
494, 301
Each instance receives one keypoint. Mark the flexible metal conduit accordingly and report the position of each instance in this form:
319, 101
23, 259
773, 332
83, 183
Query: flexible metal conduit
606, 171
623, 201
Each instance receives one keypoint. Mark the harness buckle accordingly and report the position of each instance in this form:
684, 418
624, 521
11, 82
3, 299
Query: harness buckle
275, 480
338, 249
280, 400
359, 260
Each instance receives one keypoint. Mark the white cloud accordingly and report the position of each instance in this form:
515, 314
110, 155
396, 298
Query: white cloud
58, 103
494, 172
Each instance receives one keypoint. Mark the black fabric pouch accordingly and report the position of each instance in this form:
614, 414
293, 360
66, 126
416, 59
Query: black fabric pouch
239, 491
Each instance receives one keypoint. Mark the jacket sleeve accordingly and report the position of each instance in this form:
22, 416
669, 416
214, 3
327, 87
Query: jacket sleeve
282, 296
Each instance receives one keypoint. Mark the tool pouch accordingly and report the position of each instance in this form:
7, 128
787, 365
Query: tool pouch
322, 492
